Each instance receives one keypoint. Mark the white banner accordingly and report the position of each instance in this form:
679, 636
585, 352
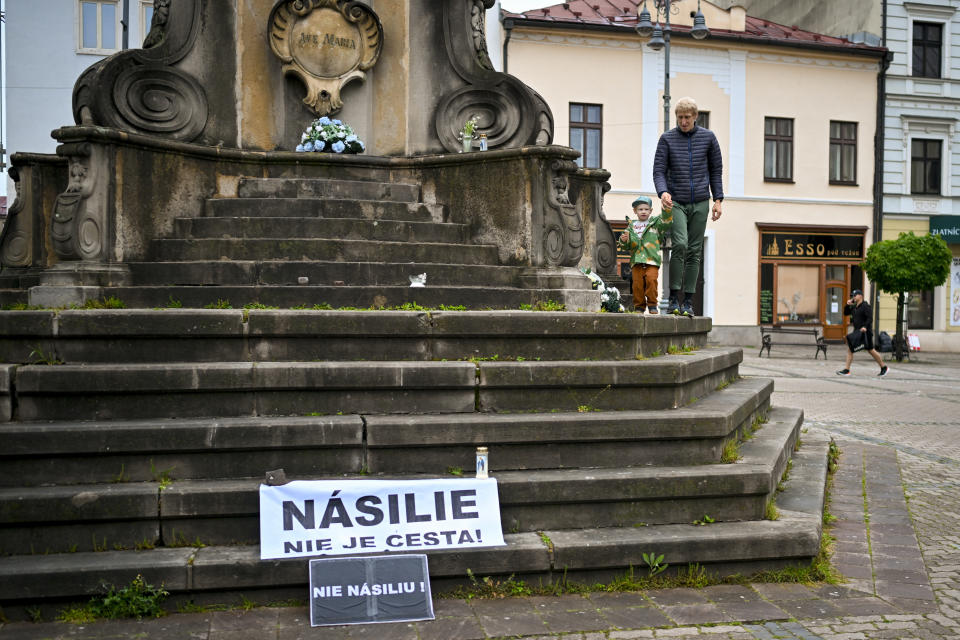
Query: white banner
345, 517
955, 293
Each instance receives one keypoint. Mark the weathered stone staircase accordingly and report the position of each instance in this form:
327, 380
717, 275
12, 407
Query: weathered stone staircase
289, 242
137, 440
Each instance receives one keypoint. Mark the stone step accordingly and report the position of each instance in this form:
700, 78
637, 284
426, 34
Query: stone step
173, 249
332, 208
214, 574
229, 389
340, 229
327, 188
149, 335
71, 452
61, 518
329, 273
378, 297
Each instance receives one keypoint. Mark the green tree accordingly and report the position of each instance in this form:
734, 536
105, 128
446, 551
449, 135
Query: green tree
909, 263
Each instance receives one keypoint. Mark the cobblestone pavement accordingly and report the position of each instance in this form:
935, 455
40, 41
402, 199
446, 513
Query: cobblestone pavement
896, 498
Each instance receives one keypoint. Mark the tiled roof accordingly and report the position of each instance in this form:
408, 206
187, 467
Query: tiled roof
623, 13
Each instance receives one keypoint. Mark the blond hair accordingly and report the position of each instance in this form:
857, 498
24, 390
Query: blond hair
687, 105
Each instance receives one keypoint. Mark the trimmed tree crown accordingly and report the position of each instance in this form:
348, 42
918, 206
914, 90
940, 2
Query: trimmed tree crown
909, 263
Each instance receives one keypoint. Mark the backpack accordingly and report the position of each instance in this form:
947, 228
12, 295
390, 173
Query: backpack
884, 342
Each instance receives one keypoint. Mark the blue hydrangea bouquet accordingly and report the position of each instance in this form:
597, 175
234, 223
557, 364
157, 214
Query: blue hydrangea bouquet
332, 136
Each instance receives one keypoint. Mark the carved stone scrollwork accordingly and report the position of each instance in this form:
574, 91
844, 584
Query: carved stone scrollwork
562, 226
326, 44
606, 259
140, 90
16, 246
509, 113
78, 225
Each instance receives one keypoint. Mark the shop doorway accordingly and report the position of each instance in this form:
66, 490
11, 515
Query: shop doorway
835, 296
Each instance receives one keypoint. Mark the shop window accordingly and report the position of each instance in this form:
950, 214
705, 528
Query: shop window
778, 149
843, 152
927, 49
836, 272
920, 310
798, 294
99, 26
925, 166
586, 133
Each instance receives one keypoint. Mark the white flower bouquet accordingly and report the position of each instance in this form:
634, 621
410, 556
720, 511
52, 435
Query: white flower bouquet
609, 296
332, 136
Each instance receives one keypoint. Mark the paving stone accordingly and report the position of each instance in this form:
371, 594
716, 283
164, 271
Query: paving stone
635, 617
753, 611
667, 597
574, 620
515, 624
696, 613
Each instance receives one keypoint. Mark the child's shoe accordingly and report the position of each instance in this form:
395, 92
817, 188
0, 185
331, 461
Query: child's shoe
686, 309
652, 310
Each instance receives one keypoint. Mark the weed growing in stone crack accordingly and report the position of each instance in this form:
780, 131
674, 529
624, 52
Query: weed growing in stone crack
654, 564
455, 471
539, 305
704, 521
180, 541
120, 477
219, 304
106, 303
39, 356
588, 406
731, 451
487, 587
136, 600
545, 539
161, 475
771, 512
675, 350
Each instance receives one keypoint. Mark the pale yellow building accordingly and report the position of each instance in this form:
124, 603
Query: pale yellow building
794, 112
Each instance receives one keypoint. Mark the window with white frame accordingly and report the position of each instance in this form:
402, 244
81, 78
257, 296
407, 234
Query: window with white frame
146, 18
927, 49
925, 166
99, 26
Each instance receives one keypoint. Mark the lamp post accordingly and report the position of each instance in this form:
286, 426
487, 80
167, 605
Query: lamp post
660, 39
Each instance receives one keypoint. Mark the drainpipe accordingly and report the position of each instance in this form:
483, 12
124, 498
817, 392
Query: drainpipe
508, 27
125, 23
878, 154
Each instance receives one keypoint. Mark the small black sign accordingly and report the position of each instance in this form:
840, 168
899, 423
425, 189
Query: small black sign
810, 246
766, 293
369, 589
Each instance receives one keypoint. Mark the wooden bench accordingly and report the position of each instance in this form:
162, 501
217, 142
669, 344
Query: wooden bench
767, 335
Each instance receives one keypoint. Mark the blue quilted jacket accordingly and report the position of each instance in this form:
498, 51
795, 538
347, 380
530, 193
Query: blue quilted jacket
688, 165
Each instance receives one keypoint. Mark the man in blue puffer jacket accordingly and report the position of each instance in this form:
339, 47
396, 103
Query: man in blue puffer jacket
686, 169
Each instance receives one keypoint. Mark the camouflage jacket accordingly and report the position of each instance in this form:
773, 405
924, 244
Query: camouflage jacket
643, 242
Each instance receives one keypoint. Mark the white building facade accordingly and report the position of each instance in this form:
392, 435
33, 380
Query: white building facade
921, 168
48, 45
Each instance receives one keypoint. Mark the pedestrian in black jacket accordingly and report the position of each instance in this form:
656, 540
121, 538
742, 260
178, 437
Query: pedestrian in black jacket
686, 168
862, 319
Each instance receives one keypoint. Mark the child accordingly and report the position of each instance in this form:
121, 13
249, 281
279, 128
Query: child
642, 239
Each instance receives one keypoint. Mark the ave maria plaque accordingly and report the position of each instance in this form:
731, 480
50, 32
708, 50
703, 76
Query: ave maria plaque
325, 43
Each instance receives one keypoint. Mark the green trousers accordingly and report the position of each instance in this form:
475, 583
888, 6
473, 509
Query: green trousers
689, 225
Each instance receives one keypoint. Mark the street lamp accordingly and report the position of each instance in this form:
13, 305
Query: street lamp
660, 39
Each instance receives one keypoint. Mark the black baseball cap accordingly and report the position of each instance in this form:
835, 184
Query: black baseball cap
856, 292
